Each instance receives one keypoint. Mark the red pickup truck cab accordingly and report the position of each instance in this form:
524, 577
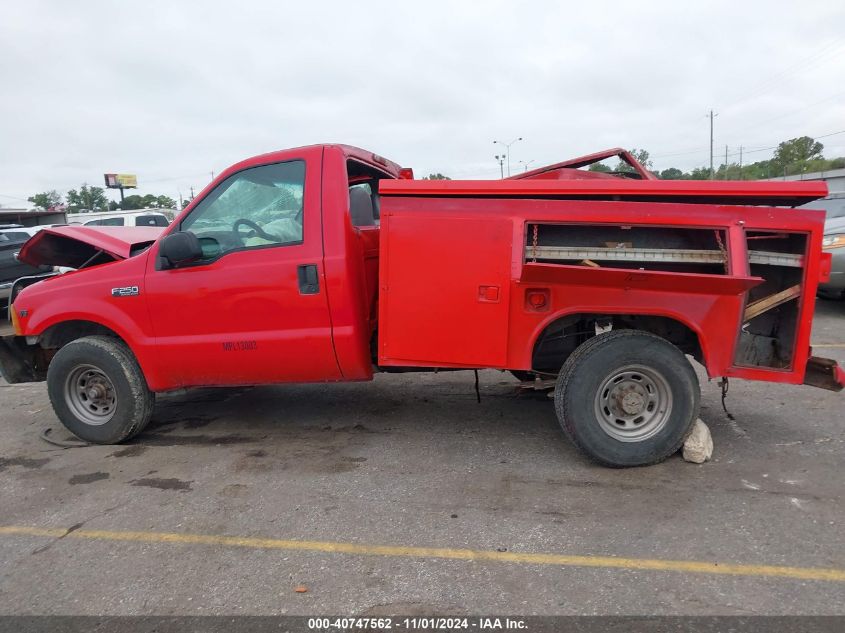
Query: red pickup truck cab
327, 263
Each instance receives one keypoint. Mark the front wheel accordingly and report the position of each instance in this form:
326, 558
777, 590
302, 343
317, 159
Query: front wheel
627, 398
98, 390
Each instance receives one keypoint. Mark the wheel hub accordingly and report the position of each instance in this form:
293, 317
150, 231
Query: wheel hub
90, 395
633, 403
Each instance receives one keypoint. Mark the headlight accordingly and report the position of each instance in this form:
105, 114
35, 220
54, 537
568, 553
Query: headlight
833, 241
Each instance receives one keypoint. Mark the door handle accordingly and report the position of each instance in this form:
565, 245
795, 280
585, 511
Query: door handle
309, 281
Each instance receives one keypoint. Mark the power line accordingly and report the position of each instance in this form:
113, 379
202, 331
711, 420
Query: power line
697, 150
820, 56
749, 151
763, 149
791, 112
700, 150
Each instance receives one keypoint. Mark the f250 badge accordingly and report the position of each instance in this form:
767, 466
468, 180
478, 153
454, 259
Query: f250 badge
126, 291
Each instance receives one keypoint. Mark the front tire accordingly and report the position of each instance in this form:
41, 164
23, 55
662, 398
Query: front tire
627, 398
98, 391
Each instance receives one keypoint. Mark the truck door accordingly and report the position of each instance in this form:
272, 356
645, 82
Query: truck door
253, 309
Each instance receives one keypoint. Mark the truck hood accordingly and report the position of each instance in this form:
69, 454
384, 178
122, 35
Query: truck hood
73, 246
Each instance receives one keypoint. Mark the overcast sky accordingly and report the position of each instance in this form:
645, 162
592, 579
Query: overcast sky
172, 91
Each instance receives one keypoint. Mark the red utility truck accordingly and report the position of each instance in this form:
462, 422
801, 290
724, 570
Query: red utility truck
329, 263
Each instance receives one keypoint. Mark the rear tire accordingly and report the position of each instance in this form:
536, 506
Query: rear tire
98, 390
627, 398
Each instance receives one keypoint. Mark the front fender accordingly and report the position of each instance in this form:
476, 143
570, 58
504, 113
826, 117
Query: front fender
89, 296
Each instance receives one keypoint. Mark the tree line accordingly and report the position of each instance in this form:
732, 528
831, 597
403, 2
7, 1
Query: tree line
92, 198
795, 156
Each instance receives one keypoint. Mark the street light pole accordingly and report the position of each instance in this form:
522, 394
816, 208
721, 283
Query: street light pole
501, 159
508, 152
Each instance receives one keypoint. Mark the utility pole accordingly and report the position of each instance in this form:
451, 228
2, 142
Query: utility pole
712, 116
501, 159
740, 162
726, 162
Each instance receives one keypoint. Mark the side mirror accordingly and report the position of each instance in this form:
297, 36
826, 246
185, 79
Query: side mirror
180, 248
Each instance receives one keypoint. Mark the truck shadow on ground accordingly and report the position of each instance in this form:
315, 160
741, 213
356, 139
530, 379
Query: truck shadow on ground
337, 428
440, 405
385, 407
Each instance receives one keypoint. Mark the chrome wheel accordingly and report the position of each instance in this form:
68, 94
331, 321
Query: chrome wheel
90, 395
633, 403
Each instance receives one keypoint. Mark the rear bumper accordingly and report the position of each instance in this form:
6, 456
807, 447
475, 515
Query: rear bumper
824, 373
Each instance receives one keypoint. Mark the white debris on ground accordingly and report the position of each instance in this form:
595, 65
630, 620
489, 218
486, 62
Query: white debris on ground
699, 445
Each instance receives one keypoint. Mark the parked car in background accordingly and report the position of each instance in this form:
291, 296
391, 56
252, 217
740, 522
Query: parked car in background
16, 232
140, 217
19, 232
833, 242
12, 238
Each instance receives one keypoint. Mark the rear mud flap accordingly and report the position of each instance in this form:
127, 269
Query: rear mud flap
824, 373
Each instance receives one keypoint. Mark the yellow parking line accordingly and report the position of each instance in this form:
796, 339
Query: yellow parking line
696, 567
827, 345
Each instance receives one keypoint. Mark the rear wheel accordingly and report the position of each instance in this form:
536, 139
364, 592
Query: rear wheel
627, 398
98, 390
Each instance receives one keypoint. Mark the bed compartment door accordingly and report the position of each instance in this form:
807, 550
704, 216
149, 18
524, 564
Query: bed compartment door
445, 292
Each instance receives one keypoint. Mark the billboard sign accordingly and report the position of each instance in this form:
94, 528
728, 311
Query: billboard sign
121, 181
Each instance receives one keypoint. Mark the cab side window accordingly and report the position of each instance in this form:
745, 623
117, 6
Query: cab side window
361, 208
364, 200
254, 208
